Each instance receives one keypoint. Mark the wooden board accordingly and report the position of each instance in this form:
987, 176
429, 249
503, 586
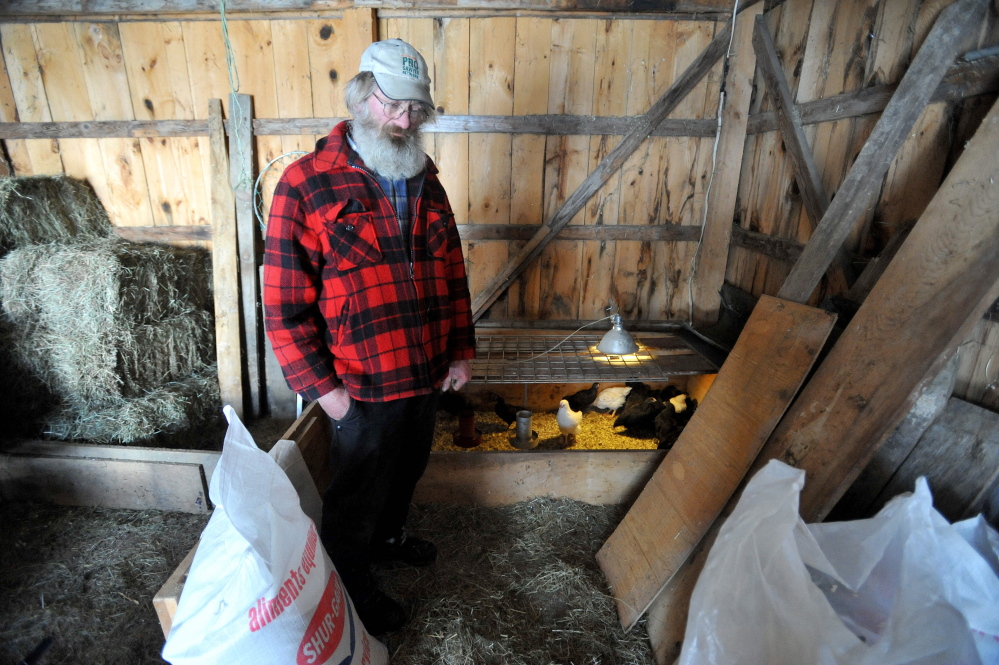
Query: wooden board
958, 455
109, 483
923, 305
859, 502
712, 257
225, 267
166, 599
753, 388
879, 366
502, 478
208, 459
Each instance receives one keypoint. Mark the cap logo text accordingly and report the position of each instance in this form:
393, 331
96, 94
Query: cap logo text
410, 67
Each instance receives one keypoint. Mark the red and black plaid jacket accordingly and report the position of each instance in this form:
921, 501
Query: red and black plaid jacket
342, 301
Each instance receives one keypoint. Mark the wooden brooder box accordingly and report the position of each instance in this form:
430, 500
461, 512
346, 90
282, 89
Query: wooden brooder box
479, 478
509, 361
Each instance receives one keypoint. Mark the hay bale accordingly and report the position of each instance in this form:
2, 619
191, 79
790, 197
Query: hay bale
24, 398
174, 407
42, 209
124, 362
91, 285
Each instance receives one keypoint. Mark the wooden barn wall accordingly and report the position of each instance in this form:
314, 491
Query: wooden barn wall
160, 70
503, 65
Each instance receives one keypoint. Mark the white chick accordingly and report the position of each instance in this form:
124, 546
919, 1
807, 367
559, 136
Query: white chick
679, 403
568, 422
611, 399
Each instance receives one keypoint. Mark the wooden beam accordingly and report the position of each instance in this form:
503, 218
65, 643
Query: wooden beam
876, 267
964, 79
167, 234
864, 180
552, 125
241, 181
768, 364
610, 165
924, 305
712, 256
92, 8
635, 232
225, 265
781, 249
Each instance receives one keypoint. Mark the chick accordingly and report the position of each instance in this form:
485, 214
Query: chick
667, 428
568, 422
578, 401
611, 399
507, 413
679, 403
640, 418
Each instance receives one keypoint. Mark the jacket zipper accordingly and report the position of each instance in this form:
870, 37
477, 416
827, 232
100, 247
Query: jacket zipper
412, 270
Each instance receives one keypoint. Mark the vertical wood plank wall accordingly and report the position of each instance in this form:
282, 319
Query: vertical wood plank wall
499, 65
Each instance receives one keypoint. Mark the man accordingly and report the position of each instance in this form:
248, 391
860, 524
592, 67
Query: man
367, 307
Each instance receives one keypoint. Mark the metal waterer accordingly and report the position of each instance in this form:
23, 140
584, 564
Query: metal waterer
525, 437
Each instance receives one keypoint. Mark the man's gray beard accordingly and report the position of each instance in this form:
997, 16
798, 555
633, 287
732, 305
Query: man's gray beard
390, 158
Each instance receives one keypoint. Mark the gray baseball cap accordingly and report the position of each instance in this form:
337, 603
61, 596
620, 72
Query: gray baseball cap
399, 69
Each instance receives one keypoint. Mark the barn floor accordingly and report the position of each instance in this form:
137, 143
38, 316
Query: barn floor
518, 584
86, 576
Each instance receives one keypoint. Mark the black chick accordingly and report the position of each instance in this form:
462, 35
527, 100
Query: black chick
668, 427
639, 391
640, 420
453, 402
506, 412
578, 401
668, 393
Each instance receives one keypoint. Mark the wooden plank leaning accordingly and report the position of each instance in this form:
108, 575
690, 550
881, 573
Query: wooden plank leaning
225, 265
599, 176
712, 256
899, 341
760, 377
864, 180
241, 181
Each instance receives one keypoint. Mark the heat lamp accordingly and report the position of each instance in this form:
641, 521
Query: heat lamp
617, 341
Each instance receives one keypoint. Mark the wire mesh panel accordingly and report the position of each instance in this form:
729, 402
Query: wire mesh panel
552, 358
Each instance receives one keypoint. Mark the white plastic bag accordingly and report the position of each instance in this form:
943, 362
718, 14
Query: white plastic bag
902, 587
261, 588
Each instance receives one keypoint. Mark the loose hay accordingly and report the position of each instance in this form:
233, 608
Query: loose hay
43, 209
175, 407
517, 585
87, 576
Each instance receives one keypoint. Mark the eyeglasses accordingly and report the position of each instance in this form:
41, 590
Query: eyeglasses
392, 109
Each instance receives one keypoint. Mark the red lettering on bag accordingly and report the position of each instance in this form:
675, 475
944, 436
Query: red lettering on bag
324, 633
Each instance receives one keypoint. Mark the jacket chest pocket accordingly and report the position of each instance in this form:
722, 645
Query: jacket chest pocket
437, 223
353, 241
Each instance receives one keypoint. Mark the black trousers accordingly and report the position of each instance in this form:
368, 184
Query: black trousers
378, 451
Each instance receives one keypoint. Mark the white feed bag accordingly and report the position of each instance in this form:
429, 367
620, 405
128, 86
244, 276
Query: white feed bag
261, 588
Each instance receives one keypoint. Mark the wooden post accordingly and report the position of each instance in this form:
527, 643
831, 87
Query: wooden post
864, 180
600, 175
712, 258
225, 264
241, 181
